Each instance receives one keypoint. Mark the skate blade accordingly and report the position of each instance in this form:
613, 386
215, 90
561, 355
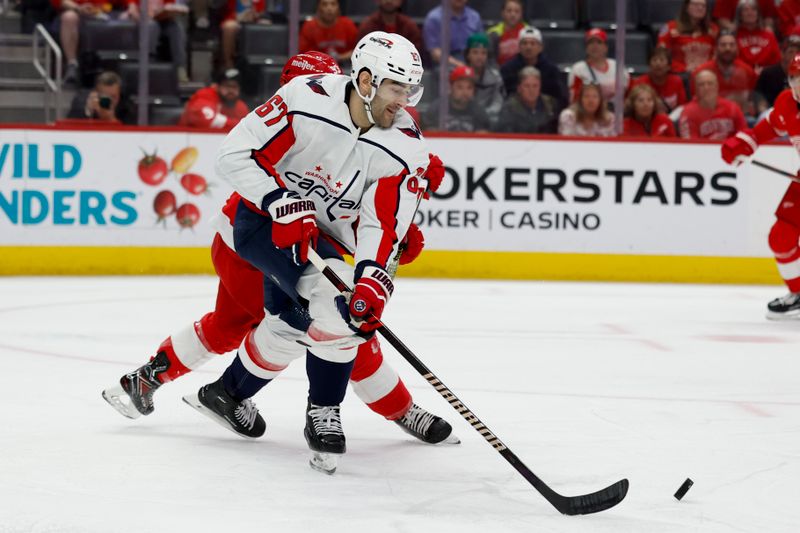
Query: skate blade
451, 439
193, 401
778, 317
114, 396
324, 462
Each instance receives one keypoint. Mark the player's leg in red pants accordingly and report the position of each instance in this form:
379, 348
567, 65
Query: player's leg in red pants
784, 238
239, 308
377, 384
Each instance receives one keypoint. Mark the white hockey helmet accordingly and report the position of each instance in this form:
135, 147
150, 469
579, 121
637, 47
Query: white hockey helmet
387, 56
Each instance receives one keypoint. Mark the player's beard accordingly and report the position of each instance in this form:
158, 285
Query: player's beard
384, 114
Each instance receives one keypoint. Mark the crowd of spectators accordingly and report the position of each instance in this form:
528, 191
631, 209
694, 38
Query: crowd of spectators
714, 68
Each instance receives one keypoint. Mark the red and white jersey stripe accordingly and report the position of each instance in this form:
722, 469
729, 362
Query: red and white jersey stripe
364, 185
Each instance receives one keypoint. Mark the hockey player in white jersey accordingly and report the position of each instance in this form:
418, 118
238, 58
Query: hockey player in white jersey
333, 163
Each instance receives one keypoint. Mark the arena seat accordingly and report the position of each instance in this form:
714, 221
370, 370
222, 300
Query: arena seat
266, 81
637, 50
261, 44
564, 47
105, 45
417, 9
545, 14
655, 13
165, 115
489, 10
162, 84
603, 13
358, 10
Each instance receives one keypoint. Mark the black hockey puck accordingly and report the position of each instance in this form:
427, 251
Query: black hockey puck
684, 489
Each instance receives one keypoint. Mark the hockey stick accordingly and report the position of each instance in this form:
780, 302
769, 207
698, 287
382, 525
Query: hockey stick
783, 173
568, 505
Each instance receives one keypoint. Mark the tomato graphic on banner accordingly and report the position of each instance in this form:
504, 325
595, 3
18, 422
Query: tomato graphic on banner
153, 170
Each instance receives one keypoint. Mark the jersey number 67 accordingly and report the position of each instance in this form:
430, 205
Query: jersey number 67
269, 107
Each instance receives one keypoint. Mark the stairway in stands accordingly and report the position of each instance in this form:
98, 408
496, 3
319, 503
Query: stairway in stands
22, 94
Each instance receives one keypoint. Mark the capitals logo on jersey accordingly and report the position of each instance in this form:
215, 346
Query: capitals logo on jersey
412, 132
316, 86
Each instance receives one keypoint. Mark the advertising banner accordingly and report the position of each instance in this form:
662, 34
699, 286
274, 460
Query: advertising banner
114, 188
158, 189
599, 197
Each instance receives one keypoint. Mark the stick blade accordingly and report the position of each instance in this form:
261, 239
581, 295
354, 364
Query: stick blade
596, 501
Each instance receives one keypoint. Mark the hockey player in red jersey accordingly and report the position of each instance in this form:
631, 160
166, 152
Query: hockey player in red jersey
240, 308
784, 238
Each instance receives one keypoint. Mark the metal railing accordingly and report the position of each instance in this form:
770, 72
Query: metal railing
52, 86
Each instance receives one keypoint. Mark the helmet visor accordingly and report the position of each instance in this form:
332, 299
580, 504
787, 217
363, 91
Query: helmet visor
394, 91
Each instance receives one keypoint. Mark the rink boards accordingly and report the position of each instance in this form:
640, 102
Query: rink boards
82, 202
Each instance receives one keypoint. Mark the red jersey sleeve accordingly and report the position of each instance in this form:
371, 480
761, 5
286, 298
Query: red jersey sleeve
781, 113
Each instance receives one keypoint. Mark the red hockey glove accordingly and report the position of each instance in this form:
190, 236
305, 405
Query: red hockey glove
293, 224
738, 148
434, 174
412, 244
370, 295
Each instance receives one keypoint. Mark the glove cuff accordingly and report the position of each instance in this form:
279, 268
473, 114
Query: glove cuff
747, 138
378, 280
277, 194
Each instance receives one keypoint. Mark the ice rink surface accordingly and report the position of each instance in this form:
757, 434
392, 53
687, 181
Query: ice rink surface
586, 383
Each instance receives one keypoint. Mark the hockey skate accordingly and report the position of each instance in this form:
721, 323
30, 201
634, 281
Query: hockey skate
324, 436
784, 308
242, 418
134, 394
426, 427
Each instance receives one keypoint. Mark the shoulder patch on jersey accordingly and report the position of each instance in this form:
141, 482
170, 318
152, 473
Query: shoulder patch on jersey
412, 132
316, 86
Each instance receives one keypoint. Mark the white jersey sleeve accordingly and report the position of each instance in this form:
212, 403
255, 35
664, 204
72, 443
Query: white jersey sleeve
390, 201
249, 154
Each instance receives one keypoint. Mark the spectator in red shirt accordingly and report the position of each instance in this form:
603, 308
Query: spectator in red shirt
669, 87
237, 12
329, 32
505, 34
690, 38
736, 79
788, 15
642, 117
389, 19
725, 13
758, 46
217, 106
709, 116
